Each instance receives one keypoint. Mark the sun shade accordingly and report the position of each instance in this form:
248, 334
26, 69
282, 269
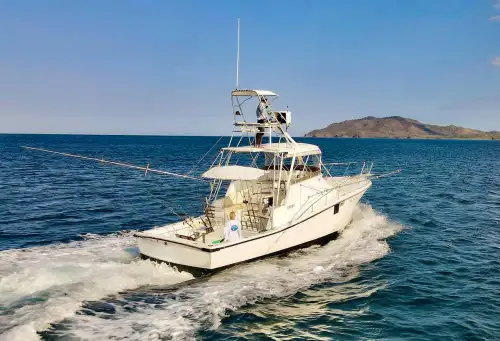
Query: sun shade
234, 172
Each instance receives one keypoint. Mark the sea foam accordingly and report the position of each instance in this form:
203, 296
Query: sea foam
46, 285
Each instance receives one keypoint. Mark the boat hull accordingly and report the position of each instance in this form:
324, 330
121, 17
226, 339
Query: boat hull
199, 272
318, 228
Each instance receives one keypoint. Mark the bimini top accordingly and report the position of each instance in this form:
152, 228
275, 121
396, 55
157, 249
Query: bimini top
297, 149
253, 93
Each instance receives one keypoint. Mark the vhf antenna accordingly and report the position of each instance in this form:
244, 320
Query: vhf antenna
238, 55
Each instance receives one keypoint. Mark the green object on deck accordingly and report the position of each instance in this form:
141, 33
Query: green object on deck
217, 241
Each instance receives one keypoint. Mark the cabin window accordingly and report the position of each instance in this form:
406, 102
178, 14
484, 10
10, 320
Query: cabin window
336, 208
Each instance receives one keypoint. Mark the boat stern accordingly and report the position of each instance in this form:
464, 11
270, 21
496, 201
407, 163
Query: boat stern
184, 256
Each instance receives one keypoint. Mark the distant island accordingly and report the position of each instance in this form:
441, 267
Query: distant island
399, 127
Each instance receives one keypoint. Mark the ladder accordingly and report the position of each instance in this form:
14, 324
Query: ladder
252, 218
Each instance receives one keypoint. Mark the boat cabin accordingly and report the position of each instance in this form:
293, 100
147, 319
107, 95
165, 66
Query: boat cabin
254, 189
254, 181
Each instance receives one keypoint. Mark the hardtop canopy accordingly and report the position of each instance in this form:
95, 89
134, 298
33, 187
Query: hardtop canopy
253, 93
290, 150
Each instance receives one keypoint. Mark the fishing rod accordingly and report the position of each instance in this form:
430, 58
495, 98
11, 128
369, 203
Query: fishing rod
115, 163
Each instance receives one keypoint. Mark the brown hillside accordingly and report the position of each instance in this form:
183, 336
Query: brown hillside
398, 127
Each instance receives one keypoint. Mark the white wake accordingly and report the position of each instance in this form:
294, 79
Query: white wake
43, 285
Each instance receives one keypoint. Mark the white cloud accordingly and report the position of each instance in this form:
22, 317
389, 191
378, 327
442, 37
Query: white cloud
496, 61
497, 5
495, 18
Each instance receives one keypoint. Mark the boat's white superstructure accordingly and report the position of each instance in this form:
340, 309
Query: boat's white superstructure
280, 191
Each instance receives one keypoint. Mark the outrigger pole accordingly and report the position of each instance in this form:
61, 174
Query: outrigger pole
115, 163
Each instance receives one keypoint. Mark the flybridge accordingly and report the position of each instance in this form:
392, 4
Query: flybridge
275, 122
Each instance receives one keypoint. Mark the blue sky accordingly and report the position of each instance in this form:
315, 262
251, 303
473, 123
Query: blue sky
167, 67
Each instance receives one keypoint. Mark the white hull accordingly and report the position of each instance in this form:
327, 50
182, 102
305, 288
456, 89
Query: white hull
318, 225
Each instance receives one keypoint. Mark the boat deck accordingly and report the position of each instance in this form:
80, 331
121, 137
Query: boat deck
195, 231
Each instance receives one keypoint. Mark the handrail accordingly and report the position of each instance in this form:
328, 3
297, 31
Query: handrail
319, 198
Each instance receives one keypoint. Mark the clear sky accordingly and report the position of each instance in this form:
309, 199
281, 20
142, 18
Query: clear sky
168, 67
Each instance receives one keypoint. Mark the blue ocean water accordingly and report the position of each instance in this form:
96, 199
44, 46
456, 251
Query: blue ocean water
420, 261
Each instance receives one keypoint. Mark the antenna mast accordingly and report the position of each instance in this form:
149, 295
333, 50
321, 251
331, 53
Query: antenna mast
238, 55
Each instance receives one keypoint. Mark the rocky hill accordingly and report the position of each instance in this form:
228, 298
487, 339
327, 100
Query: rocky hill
399, 127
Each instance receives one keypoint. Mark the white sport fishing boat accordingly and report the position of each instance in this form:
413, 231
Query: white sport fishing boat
281, 193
